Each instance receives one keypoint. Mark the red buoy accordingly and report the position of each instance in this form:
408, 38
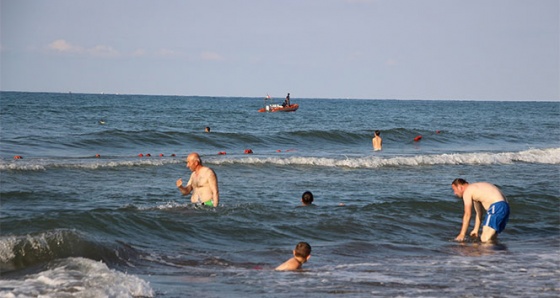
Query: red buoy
161, 155
222, 153
173, 155
97, 155
140, 155
248, 151
417, 138
18, 157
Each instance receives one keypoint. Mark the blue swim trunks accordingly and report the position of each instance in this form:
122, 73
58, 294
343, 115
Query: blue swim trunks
497, 216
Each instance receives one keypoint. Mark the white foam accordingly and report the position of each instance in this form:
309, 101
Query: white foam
77, 277
88, 164
540, 156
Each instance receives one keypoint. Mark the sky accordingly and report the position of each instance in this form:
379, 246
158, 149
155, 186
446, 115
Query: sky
507, 50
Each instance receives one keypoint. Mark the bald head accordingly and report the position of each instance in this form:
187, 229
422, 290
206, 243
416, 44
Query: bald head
193, 161
194, 157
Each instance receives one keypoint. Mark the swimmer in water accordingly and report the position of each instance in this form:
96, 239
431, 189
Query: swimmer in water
307, 198
302, 253
203, 183
377, 141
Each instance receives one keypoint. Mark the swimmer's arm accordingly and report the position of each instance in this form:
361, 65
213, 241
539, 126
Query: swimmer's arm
185, 190
478, 219
466, 218
213, 182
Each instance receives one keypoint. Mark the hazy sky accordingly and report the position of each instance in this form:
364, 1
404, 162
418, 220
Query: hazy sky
372, 49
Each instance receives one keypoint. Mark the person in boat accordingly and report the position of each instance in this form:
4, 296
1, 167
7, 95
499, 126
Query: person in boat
302, 253
287, 101
203, 183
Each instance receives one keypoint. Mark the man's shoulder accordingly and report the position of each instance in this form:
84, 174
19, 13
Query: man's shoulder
207, 170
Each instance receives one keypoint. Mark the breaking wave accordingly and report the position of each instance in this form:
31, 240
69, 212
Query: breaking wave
537, 156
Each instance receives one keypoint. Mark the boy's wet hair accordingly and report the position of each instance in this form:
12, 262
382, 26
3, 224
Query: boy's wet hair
303, 250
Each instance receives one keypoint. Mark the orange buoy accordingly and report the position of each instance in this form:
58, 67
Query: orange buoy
18, 157
140, 155
417, 138
161, 155
248, 151
222, 153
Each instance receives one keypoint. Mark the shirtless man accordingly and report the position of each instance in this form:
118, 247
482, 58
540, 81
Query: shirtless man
482, 195
377, 141
203, 183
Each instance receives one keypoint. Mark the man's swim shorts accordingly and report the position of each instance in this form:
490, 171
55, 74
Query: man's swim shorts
497, 216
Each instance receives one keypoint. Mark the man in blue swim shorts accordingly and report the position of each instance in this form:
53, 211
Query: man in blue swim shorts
482, 195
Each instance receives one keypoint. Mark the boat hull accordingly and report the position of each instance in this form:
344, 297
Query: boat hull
278, 108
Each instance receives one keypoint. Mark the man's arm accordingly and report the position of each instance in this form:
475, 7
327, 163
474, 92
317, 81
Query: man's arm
478, 219
185, 190
213, 183
466, 218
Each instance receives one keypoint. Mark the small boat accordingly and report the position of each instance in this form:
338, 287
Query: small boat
279, 108
271, 107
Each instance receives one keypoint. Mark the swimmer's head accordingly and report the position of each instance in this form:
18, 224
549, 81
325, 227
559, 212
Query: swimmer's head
307, 198
302, 251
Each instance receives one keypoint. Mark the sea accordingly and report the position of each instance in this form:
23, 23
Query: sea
89, 206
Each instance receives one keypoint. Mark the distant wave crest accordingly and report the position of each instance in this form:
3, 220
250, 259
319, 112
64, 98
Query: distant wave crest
91, 164
537, 156
541, 156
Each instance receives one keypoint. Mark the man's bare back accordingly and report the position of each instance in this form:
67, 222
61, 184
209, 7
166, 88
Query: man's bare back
484, 192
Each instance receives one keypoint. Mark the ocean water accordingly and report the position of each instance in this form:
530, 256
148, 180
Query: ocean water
76, 225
